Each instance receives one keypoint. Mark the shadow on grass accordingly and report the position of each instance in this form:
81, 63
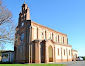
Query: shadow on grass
23, 64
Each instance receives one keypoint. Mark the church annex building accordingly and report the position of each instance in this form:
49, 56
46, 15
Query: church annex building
35, 43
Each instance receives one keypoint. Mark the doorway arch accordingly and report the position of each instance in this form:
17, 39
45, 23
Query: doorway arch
50, 54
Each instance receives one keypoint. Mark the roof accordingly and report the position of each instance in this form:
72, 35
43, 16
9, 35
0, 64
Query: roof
74, 50
48, 28
7, 51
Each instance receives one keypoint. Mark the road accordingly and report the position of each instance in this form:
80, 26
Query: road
74, 63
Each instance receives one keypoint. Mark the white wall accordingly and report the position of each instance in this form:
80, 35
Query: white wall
66, 52
56, 51
74, 54
69, 56
64, 56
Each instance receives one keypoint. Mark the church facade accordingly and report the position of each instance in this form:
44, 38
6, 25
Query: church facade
35, 43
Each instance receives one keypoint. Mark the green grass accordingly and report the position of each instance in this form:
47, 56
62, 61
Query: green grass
32, 65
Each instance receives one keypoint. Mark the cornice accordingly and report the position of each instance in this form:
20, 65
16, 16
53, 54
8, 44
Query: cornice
55, 43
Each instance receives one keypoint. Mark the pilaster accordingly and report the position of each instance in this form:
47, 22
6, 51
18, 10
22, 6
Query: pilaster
32, 33
37, 52
46, 54
46, 35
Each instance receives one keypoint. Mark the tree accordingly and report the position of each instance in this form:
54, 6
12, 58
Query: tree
7, 27
5, 14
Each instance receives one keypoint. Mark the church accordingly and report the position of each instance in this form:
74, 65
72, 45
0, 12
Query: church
35, 43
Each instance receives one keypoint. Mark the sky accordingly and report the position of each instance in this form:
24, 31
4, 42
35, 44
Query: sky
66, 16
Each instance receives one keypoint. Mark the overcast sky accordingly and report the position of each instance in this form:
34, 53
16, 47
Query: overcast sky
66, 16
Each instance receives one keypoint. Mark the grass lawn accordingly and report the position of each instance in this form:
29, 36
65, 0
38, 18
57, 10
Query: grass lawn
32, 65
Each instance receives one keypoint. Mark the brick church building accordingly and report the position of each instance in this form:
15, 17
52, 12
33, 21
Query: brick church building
35, 43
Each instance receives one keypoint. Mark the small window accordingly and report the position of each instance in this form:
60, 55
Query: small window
63, 40
58, 38
22, 24
22, 36
49, 35
58, 51
67, 40
64, 51
52, 36
45, 35
69, 52
5, 56
42, 34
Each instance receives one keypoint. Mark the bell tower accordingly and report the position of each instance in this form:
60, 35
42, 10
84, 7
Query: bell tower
25, 11
24, 14
24, 7
23, 33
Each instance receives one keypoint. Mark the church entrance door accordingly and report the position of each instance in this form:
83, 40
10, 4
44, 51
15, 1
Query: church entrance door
50, 54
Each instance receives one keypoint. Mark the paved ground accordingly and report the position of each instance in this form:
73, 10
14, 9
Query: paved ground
74, 63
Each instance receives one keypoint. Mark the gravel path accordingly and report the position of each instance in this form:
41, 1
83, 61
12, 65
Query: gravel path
74, 63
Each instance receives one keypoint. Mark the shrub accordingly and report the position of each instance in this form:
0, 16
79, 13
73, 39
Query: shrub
83, 58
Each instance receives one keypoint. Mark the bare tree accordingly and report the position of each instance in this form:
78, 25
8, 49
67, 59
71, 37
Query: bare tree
2, 46
7, 26
5, 14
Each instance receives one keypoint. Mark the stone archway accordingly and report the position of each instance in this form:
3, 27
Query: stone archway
50, 54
